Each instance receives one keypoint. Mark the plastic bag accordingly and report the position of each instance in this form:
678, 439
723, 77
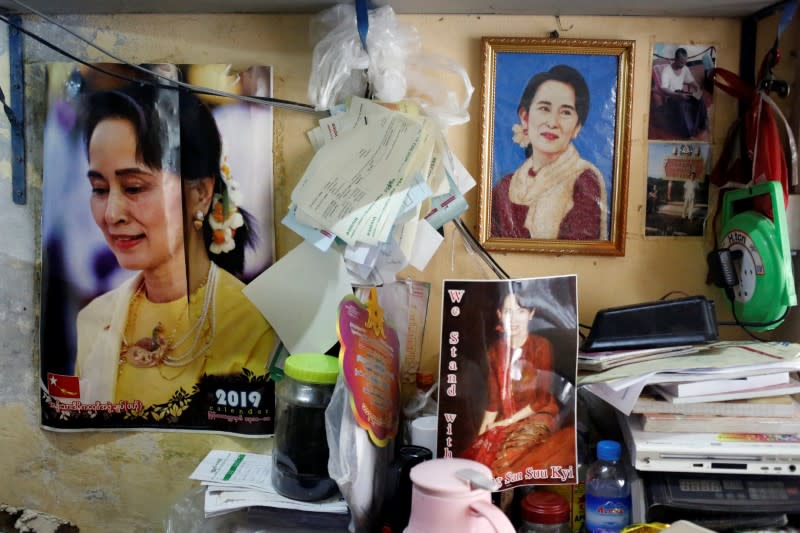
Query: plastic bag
356, 465
421, 403
392, 67
187, 516
753, 151
339, 59
441, 86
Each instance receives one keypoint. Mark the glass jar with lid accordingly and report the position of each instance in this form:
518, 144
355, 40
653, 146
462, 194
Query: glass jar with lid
300, 451
544, 512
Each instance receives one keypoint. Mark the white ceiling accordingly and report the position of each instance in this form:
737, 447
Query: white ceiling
672, 8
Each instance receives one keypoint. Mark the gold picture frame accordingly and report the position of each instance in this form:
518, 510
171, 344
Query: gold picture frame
555, 145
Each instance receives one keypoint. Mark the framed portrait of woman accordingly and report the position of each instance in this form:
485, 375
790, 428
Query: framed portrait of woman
555, 145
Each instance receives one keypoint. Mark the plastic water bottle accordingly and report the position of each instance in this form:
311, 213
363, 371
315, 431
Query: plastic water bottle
608, 493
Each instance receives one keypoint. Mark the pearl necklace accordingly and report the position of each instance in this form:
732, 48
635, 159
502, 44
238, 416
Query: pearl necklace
159, 349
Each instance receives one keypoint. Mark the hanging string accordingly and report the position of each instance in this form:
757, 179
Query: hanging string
174, 84
6, 108
170, 83
698, 54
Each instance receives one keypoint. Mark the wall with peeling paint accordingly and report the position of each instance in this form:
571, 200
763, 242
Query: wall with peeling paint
128, 481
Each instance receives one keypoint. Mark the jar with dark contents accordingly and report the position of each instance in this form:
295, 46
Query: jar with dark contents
300, 451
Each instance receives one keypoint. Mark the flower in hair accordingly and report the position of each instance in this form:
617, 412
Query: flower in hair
225, 216
520, 135
231, 184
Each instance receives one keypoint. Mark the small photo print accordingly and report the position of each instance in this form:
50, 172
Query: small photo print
677, 189
681, 92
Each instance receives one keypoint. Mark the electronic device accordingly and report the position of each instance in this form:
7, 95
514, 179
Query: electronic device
744, 500
690, 320
728, 453
723, 492
753, 263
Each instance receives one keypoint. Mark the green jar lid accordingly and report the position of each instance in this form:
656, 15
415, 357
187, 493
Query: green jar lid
312, 368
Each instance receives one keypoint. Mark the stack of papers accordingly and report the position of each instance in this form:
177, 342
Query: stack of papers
371, 202
712, 387
597, 361
382, 182
237, 480
622, 385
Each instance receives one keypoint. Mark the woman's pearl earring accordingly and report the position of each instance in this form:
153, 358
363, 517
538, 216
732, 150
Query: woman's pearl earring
198, 220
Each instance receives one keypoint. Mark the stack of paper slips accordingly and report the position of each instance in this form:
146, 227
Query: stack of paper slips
382, 182
236, 480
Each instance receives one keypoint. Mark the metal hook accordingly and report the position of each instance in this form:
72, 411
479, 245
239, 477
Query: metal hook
560, 27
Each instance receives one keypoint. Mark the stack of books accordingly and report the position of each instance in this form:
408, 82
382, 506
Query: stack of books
677, 408
714, 417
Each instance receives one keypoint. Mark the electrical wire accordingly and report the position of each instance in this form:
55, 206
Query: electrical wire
754, 324
480, 250
174, 84
671, 293
698, 54
6, 108
745, 325
753, 335
170, 83
65, 53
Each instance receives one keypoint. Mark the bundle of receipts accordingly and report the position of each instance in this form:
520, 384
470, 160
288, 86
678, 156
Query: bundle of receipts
381, 183
236, 480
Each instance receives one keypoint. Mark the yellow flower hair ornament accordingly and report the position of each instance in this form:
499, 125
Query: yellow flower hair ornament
225, 216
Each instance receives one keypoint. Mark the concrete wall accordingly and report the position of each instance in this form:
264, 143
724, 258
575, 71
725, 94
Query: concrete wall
128, 481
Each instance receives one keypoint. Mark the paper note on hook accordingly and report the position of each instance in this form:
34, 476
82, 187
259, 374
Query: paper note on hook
300, 294
356, 187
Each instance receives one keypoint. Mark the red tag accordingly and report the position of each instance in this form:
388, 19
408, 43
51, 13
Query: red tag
62, 386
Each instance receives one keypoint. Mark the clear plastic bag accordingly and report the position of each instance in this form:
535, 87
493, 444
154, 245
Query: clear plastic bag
357, 465
391, 68
340, 64
441, 86
187, 516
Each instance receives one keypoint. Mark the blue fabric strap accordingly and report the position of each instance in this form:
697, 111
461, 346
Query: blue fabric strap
786, 17
362, 21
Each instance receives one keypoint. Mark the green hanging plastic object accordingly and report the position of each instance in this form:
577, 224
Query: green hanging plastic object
766, 283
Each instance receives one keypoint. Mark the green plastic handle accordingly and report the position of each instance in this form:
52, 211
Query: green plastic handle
774, 190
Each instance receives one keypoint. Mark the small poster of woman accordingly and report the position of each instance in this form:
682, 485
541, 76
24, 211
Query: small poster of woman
157, 209
507, 378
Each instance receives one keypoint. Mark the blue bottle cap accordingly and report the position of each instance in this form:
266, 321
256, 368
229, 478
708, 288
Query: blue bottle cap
609, 450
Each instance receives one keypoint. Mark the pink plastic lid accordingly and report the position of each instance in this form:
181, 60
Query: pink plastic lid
438, 476
544, 507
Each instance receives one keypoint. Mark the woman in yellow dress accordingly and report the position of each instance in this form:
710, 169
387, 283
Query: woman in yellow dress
168, 211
